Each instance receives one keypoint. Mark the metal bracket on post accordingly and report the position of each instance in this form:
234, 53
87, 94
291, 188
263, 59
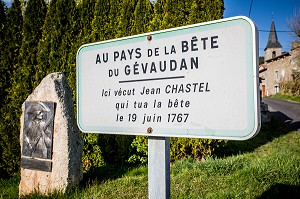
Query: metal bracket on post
159, 167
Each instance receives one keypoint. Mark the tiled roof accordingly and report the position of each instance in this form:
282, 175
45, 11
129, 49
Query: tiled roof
278, 57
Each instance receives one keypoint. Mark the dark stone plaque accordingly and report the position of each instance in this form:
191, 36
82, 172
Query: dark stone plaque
34, 164
38, 130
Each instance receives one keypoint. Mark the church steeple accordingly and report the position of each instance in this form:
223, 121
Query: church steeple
273, 47
273, 40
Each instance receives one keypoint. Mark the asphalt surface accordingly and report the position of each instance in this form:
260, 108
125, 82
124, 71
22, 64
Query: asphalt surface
288, 112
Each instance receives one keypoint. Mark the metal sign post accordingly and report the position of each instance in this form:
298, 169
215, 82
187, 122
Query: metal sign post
159, 167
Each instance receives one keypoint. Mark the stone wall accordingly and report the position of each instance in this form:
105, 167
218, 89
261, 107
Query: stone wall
269, 53
279, 69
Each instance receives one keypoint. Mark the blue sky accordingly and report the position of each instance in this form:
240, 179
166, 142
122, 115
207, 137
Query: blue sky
7, 2
262, 13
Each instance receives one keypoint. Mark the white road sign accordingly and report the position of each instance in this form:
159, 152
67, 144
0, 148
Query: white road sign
194, 81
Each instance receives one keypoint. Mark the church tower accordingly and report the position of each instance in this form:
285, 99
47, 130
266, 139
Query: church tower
273, 48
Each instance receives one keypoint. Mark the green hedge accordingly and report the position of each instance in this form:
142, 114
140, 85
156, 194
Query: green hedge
199, 149
47, 42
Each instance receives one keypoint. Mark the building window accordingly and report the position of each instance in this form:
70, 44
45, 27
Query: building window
276, 89
282, 74
276, 77
273, 54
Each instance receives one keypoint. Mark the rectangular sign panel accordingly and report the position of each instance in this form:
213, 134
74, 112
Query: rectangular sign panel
194, 81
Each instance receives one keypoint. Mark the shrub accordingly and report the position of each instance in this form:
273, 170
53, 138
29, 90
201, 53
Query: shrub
179, 148
102, 149
92, 155
291, 88
192, 147
115, 148
140, 145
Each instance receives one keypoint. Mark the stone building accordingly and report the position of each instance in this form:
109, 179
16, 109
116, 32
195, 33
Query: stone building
278, 66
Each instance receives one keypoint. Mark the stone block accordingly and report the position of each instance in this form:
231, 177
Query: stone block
265, 113
264, 107
64, 159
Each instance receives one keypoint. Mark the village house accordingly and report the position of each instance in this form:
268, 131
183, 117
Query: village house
278, 66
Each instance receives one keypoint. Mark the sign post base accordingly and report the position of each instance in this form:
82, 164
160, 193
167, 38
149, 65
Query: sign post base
159, 167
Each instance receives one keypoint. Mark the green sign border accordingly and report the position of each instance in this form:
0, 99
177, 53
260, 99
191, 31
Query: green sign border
253, 98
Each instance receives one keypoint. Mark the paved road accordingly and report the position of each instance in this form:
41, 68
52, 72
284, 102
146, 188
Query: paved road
289, 112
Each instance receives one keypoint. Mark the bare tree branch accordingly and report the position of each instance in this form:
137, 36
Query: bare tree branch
294, 22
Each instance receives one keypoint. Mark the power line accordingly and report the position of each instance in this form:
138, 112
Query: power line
272, 19
276, 31
262, 48
250, 7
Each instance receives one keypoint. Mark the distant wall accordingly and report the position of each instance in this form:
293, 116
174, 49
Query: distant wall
279, 69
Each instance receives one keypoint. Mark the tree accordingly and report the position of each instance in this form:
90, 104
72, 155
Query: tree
86, 15
100, 23
44, 46
168, 14
21, 77
9, 126
142, 16
158, 15
294, 22
293, 87
126, 18
294, 25
3, 10
34, 18
59, 34
114, 12
11, 43
173, 13
204, 10
94, 26
182, 12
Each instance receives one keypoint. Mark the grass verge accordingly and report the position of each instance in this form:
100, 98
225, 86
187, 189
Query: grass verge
286, 97
270, 171
266, 166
